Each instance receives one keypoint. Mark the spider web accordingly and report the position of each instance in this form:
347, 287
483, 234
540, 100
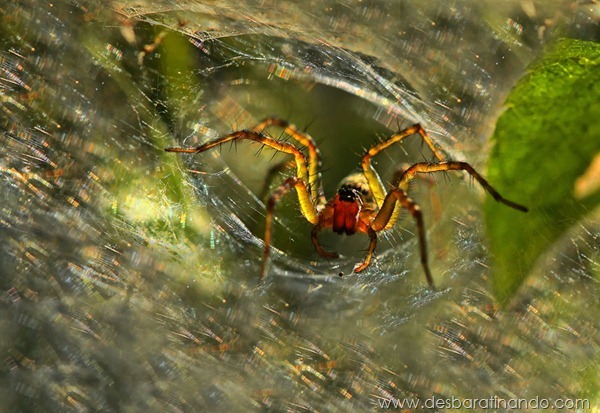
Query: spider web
129, 276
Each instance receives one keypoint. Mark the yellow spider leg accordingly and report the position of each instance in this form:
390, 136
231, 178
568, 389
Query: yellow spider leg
372, 244
386, 213
306, 206
302, 171
434, 199
304, 198
425, 167
370, 173
306, 140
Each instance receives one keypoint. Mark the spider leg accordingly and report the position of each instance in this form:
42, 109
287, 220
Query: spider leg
426, 167
318, 246
300, 159
386, 213
372, 244
434, 199
372, 177
314, 162
272, 173
306, 206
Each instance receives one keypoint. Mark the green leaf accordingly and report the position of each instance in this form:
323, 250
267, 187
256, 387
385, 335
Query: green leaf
545, 144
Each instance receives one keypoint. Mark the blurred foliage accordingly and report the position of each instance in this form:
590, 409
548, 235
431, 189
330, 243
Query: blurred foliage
546, 157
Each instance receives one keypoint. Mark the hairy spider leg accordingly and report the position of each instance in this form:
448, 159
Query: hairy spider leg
299, 182
371, 174
314, 161
384, 216
373, 177
427, 167
434, 199
307, 208
301, 170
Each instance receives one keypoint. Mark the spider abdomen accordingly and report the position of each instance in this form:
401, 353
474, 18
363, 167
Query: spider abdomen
358, 183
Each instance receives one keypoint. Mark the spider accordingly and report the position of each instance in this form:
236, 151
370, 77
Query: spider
361, 203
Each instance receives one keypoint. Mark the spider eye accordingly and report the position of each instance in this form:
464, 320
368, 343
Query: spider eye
347, 194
